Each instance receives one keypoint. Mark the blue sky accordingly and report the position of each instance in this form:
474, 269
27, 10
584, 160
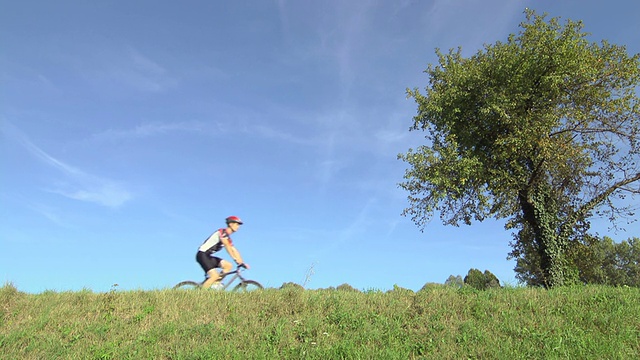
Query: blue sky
131, 129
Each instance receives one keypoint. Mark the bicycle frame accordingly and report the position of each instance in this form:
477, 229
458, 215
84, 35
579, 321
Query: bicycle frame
231, 277
236, 275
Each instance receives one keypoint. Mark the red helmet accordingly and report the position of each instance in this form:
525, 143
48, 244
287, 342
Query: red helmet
233, 219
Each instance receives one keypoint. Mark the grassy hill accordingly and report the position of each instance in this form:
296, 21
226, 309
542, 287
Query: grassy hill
435, 323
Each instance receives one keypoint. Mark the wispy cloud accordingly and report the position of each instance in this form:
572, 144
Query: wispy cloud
444, 15
358, 225
96, 190
77, 184
336, 38
156, 129
142, 73
343, 39
48, 212
124, 69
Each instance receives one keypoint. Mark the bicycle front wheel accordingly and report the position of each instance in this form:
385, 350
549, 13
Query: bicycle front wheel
247, 285
187, 285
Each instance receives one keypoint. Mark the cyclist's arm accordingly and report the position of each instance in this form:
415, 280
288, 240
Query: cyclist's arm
233, 252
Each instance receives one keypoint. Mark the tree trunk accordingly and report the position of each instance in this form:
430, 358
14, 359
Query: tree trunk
539, 212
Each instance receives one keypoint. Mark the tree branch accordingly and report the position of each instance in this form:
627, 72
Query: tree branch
588, 206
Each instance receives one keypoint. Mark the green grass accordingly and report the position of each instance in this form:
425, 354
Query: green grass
435, 323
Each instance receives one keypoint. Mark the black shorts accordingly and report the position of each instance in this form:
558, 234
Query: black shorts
207, 262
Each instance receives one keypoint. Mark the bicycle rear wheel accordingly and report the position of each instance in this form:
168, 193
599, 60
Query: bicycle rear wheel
187, 285
247, 285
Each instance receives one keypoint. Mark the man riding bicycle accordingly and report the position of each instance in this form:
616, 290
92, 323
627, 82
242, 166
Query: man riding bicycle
214, 243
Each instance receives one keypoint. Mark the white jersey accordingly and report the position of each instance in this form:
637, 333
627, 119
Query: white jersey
214, 242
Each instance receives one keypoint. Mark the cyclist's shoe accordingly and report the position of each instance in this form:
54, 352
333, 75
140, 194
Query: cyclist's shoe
217, 286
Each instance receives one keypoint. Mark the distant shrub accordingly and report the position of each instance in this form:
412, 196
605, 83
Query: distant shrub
8, 293
455, 281
9, 288
400, 289
347, 287
431, 286
477, 280
491, 281
291, 285
372, 291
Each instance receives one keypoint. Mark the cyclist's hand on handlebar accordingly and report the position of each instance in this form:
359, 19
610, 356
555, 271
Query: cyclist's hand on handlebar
243, 265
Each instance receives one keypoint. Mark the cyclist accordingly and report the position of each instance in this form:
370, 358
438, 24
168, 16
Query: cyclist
219, 239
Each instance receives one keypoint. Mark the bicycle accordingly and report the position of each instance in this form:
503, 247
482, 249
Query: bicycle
244, 285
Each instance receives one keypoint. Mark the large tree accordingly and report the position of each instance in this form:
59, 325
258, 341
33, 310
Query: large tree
541, 130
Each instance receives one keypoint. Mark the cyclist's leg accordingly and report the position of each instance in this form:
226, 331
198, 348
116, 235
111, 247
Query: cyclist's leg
226, 266
209, 265
213, 277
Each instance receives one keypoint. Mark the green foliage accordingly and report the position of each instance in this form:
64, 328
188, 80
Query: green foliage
475, 279
541, 129
400, 289
481, 281
586, 322
594, 260
291, 285
455, 281
491, 281
347, 287
430, 286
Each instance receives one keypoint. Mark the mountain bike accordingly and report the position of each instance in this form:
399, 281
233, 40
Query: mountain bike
243, 285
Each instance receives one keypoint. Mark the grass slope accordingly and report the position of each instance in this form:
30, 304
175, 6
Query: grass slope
435, 323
